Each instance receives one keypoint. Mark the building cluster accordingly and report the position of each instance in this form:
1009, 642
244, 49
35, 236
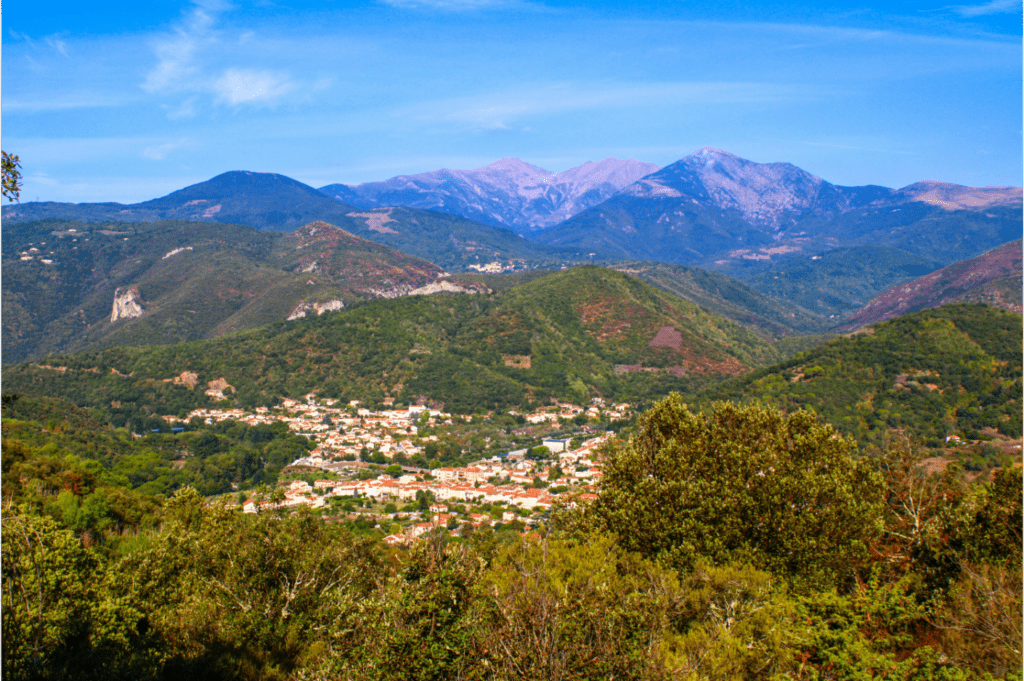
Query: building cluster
340, 432
343, 432
509, 479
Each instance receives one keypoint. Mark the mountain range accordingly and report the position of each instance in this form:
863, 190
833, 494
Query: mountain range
71, 285
268, 201
710, 209
716, 210
508, 193
821, 250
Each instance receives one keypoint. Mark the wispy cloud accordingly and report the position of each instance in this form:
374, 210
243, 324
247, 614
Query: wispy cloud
186, 64
57, 44
158, 152
993, 7
61, 102
176, 54
185, 109
244, 86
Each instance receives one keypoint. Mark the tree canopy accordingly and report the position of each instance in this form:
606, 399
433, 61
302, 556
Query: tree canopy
780, 491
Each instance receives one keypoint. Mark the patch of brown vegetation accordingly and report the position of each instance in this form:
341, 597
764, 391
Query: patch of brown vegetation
47, 366
933, 464
376, 220
186, 378
517, 361
667, 337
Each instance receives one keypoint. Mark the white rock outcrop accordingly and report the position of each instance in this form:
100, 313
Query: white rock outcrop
302, 308
438, 286
126, 304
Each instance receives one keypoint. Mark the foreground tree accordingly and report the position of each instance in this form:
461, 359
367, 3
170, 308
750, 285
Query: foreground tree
11, 166
781, 492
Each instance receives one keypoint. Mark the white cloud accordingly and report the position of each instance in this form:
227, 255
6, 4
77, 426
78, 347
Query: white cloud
176, 54
58, 45
244, 86
993, 7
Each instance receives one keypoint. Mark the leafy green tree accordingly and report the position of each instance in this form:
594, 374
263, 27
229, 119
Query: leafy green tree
11, 167
741, 484
230, 595
59, 618
573, 609
732, 622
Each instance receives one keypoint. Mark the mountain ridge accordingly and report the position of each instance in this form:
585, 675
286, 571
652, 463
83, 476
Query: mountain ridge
569, 335
269, 201
716, 210
508, 193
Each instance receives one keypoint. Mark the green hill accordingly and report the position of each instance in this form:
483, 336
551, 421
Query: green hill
571, 335
720, 294
951, 370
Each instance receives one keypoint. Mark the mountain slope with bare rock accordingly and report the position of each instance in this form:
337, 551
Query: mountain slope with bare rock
508, 193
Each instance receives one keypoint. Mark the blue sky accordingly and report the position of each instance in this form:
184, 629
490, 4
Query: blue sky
130, 101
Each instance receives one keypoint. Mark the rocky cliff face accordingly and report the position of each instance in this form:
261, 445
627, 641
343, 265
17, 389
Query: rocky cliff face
126, 304
508, 193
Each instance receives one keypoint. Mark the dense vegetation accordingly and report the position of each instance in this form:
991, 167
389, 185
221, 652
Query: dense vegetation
836, 283
576, 327
717, 293
953, 370
917, 577
47, 434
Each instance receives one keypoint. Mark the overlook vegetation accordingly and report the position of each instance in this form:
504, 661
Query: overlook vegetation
750, 539
755, 546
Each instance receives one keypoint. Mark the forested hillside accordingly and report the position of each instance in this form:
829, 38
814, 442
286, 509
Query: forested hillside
954, 370
571, 335
181, 280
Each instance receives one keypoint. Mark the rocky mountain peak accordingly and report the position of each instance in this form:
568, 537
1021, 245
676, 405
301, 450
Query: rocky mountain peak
515, 166
761, 192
